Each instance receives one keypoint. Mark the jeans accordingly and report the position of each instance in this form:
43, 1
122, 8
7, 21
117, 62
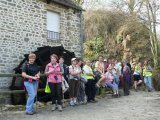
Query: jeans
31, 88
116, 79
113, 86
148, 82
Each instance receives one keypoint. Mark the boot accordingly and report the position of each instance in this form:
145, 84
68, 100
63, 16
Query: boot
54, 107
60, 108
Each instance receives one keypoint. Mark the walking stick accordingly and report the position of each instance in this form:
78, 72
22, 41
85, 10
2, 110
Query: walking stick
63, 98
37, 97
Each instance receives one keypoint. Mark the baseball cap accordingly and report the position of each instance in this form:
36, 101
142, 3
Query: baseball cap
105, 60
73, 59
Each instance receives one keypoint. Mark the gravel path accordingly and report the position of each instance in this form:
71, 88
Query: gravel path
137, 106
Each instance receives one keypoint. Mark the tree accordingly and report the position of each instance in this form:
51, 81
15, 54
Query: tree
79, 2
151, 7
112, 27
93, 48
146, 11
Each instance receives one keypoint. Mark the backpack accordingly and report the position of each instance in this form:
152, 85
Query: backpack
66, 69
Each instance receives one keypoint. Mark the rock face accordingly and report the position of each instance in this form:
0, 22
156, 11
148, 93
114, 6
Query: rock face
134, 44
137, 50
126, 48
23, 28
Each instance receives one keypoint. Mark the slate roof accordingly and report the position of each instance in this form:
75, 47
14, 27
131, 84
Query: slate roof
68, 3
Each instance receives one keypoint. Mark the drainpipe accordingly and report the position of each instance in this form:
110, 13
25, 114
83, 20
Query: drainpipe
81, 33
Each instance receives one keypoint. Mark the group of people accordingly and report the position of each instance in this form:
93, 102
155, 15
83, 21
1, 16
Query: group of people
84, 78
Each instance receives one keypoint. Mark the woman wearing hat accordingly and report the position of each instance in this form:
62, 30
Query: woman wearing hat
74, 80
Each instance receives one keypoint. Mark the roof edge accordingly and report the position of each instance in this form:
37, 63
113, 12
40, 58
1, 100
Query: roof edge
73, 5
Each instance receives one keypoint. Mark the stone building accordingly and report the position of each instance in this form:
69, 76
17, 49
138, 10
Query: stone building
28, 24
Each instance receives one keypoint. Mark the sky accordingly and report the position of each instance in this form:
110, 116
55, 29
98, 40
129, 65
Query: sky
107, 4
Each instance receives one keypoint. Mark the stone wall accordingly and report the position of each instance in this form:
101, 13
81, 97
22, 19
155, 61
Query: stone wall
23, 28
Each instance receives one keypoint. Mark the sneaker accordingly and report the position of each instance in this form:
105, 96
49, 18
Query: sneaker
71, 103
118, 95
114, 95
75, 102
63, 105
81, 102
34, 112
60, 108
126, 94
94, 101
136, 90
29, 113
54, 107
84, 103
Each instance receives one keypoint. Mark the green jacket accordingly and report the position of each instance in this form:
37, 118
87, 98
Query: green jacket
147, 71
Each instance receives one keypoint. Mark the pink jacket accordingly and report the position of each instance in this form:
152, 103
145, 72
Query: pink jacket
51, 77
109, 77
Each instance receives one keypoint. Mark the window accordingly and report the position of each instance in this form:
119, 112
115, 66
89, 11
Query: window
53, 25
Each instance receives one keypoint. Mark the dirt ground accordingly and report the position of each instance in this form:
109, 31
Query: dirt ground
138, 106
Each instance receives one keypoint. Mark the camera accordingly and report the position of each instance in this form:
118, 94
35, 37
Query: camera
55, 77
76, 78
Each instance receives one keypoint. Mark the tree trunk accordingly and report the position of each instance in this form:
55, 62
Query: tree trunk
151, 12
